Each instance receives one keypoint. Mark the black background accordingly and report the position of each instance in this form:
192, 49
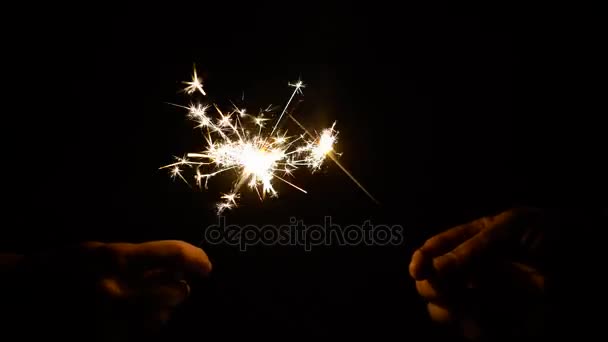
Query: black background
438, 108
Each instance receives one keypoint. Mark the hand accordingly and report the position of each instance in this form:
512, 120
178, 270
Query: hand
114, 291
485, 278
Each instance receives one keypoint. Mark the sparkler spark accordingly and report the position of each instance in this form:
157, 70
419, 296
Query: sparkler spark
195, 84
237, 143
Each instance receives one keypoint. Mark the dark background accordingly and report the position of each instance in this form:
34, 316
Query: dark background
439, 111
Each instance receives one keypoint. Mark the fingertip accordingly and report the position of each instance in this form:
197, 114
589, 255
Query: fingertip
445, 264
416, 267
207, 265
427, 291
413, 266
439, 313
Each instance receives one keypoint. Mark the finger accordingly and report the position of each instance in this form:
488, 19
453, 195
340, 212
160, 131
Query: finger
443, 292
443, 315
171, 254
492, 233
422, 260
439, 313
429, 291
445, 241
419, 265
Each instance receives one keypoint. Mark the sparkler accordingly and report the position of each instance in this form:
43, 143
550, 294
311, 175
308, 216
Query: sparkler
238, 144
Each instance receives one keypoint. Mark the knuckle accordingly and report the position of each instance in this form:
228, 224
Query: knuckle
486, 222
452, 257
447, 263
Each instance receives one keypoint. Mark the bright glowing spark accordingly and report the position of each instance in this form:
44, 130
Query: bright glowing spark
231, 198
255, 159
298, 85
322, 147
260, 121
195, 84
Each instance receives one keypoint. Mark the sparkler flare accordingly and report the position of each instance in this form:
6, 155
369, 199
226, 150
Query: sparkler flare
195, 84
237, 144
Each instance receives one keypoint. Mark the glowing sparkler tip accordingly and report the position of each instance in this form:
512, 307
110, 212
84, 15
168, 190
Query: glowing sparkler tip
298, 85
256, 157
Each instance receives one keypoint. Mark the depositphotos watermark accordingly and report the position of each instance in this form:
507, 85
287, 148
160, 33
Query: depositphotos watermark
297, 233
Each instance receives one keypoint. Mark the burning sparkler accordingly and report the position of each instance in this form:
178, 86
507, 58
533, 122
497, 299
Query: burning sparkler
255, 159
